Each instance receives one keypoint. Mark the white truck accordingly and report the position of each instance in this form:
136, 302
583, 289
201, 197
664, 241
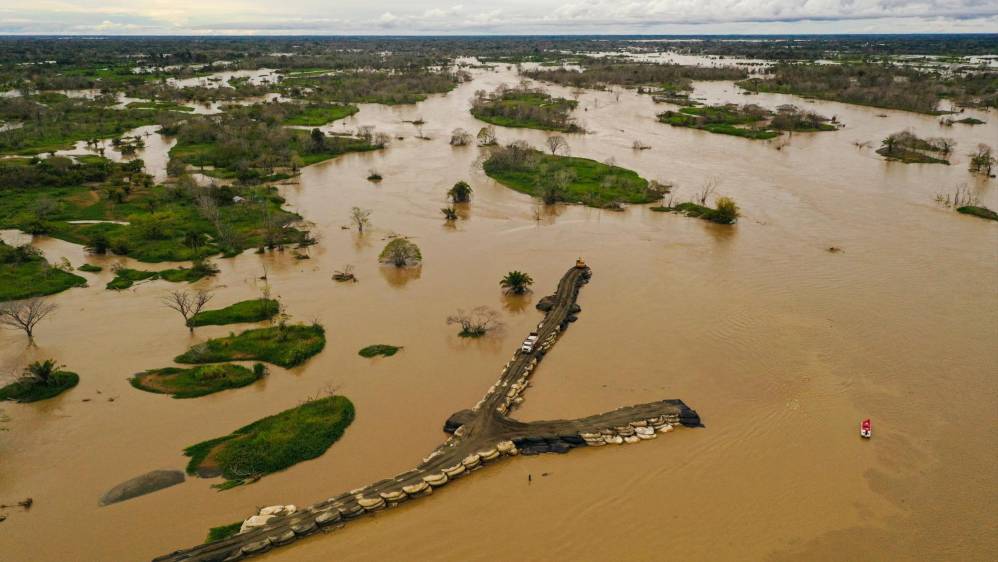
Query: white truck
528, 344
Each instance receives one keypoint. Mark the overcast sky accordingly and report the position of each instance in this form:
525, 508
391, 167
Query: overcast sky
439, 17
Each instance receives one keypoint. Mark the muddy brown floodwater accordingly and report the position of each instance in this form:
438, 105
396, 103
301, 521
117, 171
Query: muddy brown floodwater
782, 347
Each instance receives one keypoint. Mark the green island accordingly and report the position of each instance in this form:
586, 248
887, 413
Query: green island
159, 106
125, 277
197, 381
725, 213
401, 86
254, 310
90, 268
111, 207
978, 211
25, 273
906, 147
565, 178
52, 121
379, 349
283, 345
314, 115
40, 381
223, 531
238, 145
273, 443
748, 121
599, 73
523, 107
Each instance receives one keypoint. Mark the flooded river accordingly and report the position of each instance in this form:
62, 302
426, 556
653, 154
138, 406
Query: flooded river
780, 345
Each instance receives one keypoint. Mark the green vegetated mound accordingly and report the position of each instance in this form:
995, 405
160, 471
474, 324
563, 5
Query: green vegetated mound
151, 223
223, 531
254, 310
197, 381
52, 121
908, 148
90, 268
891, 86
25, 273
748, 121
125, 277
725, 213
977, 211
379, 349
524, 107
404, 85
284, 345
660, 77
273, 443
565, 178
29, 389
316, 114
250, 147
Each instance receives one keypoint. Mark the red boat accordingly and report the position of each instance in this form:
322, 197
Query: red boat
866, 429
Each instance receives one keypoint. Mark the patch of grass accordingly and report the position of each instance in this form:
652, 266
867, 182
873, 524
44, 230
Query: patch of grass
24, 273
286, 345
125, 277
723, 120
90, 268
254, 310
699, 211
159, 105
32, 390
909, 156
970, 121
273, 443
982, 212
197, 381
223, 531
379, 349
587, 181
316, 115
526, 108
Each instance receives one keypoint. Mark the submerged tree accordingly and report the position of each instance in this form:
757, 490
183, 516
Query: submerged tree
982, 161
557, 143
727, 210
450, 214
25, 315
361, 218
487, 136
516, 282
460, 137
400, 253
477, 322
187, 304
460, 193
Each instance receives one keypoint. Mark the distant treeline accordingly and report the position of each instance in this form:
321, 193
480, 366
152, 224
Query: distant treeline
600, 74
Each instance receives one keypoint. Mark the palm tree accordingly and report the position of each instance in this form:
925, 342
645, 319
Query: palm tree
460, 193
516, 282
42, 371
450, 213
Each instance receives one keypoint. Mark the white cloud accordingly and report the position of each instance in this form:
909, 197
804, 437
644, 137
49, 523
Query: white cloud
509, 17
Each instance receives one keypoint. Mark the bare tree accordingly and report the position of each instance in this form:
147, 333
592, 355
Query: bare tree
366, 133
361, 218
477, 322
709, 185
187, 304
556, 143
25, 314
460, 137
487, 136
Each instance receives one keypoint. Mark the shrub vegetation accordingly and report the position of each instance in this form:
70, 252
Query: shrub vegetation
197, 381
254, 310
284, 345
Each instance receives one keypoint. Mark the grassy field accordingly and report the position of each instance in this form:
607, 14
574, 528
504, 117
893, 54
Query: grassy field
286, 346
273, 443
33, 391
722, 120
125, 277
254, 310
379, 349
589, 182
527, 109
319, 114
25, 273
197, 381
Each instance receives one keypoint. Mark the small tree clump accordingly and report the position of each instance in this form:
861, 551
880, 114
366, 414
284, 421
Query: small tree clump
477, 322
400, 253
460, 193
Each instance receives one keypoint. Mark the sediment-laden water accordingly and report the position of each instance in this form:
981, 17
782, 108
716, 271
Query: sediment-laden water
780, 345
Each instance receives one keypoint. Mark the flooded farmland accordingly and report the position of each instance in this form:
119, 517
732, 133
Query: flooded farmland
779, 344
